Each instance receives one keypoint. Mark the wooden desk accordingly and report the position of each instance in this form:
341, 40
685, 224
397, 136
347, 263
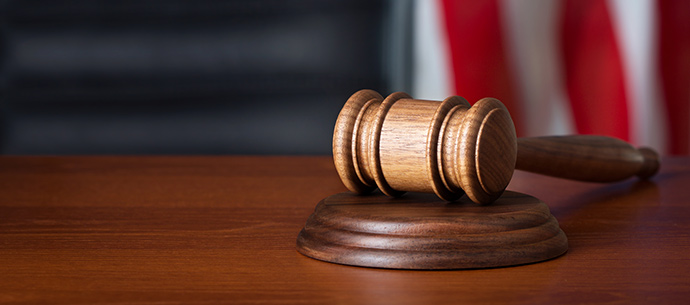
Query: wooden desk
159, 230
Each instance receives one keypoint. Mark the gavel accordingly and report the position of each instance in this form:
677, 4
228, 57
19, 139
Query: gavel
450, 148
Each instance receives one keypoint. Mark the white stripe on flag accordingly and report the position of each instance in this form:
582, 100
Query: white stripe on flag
431, 70
635, 25
532, 40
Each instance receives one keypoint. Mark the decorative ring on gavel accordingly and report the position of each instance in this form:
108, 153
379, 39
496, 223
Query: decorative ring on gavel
450, 148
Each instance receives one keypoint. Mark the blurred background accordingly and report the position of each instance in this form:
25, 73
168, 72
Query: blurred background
270, 76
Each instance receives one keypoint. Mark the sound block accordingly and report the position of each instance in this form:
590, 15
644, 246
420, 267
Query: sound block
420, 231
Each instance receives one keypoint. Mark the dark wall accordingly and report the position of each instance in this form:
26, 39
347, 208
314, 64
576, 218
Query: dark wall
183, 77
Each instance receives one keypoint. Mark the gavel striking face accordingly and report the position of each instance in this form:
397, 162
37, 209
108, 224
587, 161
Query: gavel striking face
450, 148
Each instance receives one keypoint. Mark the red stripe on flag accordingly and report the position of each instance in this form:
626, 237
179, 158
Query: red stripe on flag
594, 70
477, 53
674, 66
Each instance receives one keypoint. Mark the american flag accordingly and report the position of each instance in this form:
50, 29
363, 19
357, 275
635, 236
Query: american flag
610, 67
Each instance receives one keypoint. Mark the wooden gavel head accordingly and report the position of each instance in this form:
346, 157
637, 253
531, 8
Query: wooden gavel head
446, 147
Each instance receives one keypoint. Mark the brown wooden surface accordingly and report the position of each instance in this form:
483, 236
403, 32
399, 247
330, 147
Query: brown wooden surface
161, 230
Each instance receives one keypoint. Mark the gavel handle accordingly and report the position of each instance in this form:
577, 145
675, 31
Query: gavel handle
585, 158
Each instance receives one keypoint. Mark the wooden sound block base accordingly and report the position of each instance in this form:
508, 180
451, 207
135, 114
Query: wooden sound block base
420, 231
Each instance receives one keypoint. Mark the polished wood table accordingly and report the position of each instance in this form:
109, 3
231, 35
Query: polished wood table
162, 230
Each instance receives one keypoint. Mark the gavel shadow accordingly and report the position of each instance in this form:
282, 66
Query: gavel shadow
607, 214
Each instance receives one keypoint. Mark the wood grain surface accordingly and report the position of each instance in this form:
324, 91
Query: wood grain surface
173, 230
